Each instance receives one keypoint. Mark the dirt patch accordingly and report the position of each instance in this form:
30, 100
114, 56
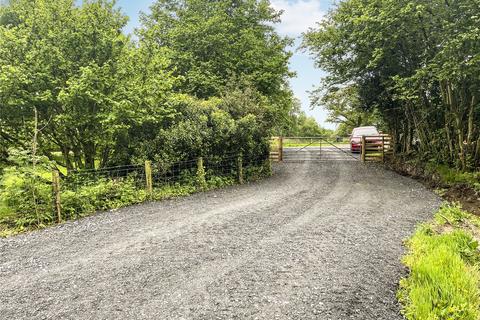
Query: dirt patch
468, 198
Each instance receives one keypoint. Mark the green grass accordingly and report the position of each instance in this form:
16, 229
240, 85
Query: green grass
298, 143
5, 212
453, 177
316, 144
7, 215
443, 260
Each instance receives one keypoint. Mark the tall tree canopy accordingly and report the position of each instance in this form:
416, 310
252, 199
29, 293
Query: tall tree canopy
417, 63
203, 78
63, 62
213, 41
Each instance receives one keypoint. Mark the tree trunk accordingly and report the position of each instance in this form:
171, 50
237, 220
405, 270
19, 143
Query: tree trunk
89, 152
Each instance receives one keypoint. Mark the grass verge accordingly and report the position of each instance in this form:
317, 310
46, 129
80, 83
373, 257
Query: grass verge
443, 259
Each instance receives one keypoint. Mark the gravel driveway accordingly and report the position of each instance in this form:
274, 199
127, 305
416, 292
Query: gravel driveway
318, 240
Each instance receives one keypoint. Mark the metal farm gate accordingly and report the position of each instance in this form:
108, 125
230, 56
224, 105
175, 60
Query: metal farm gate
298, 149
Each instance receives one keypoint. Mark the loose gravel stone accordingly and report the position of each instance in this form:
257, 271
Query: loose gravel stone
318, 240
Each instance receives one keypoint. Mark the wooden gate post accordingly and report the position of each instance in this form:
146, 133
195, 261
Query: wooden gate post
202, 183
148, 177
364, 151
240, 168
383, 149
56, 195
280, 149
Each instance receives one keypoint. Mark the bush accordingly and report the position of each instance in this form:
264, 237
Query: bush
216, 182
257, 171
103, 195
451, 177
26, 198
27, 195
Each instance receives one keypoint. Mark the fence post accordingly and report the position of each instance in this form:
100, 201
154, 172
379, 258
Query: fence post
383, 149
56, 195
364, 151
148, 177
202, 183
240, 168
280, 149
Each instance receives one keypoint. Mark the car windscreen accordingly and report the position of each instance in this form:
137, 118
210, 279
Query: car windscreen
364, 132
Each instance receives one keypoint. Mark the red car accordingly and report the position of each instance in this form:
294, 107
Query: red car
356, 137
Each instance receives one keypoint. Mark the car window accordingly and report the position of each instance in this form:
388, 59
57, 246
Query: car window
365, 132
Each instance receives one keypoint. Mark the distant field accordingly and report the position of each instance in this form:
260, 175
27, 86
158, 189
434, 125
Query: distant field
323, 144
295, 143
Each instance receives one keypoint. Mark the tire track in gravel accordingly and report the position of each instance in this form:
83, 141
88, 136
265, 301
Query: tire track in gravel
269, 236
271, 298
189, 248
71, 268
316, 241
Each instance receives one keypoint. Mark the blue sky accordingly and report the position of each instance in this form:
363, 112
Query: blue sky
298, 16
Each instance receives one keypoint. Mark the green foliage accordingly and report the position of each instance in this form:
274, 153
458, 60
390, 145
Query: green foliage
441, 284
452, 214
203, 79
345, 108
102, 195
28, 195
452, 177
415, 64
216, 182
87, 194
76, 91
301, 125
235, 123
109, 102
260, 170
444, 278
212, 42
25, 190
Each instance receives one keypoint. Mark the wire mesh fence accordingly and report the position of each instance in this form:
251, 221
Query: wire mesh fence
82, 192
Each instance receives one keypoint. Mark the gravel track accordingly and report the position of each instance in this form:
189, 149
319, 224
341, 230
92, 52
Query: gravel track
318, 240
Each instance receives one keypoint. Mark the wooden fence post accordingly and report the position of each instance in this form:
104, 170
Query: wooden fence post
202, 183
240, 168
383, 149
148, 177
56, 195
364, 151
280, 149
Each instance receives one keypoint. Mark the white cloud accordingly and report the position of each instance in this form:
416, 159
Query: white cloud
298, 15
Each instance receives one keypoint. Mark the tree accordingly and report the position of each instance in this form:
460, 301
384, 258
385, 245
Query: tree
62, 60
213, 42
89, 83
298, 124
101, 99
344, 109
416, 63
